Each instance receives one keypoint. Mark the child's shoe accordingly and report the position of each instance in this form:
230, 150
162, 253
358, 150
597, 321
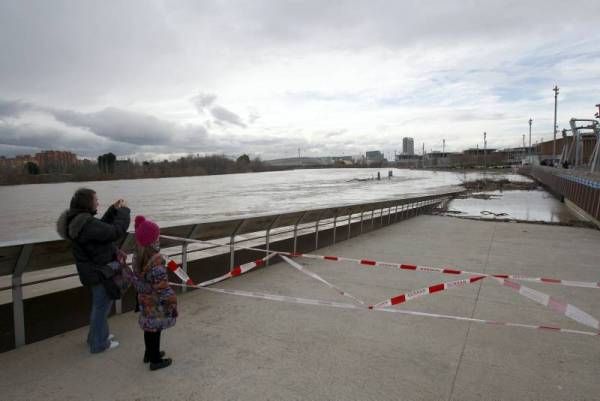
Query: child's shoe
162, 364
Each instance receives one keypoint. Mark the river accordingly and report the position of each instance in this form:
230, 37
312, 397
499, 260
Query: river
29, 212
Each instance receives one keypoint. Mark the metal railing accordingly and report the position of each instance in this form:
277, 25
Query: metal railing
237, 233
581, 188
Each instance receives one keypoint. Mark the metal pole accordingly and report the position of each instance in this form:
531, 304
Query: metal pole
530, 156
334, 226
361, 221
555, 105
296, 230
232, 246
17, 295
317, 234
349, 223
484, 150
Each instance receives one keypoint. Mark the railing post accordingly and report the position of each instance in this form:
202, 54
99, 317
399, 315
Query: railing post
232, 246
317, 234
17, 295
296, 231
396, 213
334, 227
381, 217
361, 221
389, 215
372, 217
349, 223
268, 238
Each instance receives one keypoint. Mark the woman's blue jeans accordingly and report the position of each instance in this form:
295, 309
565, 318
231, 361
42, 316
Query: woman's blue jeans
101, 306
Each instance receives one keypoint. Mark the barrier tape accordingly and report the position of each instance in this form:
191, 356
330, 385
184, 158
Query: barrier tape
402, 266
563, 308
236, 271
555, 304
408, 296
319, 278
317, 302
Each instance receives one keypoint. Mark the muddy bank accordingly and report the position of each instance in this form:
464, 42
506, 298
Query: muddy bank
569, 223
499, 185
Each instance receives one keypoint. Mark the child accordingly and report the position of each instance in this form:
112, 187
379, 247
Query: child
158, 304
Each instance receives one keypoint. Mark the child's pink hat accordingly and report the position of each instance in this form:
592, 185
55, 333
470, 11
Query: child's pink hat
146, 231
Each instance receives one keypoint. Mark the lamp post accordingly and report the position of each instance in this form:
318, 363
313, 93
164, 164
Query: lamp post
530, 158
555, 104
484, 150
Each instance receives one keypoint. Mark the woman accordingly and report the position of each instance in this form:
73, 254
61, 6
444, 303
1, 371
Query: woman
94, 249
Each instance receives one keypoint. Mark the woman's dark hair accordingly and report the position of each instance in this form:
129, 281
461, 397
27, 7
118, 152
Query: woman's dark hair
83, 199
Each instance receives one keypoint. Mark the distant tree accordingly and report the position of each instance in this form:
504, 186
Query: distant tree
243, 159
32, 168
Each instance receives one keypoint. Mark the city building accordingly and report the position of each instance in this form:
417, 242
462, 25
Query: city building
374, 157
49, 161
408, 146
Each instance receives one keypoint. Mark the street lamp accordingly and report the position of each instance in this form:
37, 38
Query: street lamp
555, 104
530, 158
484, 150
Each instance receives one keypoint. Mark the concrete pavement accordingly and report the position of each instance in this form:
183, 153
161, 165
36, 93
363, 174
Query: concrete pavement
234, 348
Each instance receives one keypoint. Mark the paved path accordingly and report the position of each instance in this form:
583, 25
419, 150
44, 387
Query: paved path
233, 348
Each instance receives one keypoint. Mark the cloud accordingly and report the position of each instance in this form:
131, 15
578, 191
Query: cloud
14, 108
203, 100
380, 70
120, 125
221, 114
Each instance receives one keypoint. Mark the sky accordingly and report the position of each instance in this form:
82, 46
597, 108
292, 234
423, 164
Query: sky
158, 79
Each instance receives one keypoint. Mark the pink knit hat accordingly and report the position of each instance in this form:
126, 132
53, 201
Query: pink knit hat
146, 231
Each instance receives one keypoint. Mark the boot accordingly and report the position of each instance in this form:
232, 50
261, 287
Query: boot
162, 364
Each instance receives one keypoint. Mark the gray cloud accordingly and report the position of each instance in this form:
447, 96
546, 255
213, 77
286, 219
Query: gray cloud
120, 125
203, 100
33, 136
110, 129
13, 108
221, 114
81, 56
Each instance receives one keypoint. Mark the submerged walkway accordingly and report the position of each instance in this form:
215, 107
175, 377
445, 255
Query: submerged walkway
228, 348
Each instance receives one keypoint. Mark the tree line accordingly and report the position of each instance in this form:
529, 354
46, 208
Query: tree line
107, 167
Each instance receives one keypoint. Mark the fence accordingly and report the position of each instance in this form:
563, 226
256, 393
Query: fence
581, 189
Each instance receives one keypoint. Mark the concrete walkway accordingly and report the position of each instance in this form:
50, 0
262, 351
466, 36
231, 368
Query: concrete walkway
233, 348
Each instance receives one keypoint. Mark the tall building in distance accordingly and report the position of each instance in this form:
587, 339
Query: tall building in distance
408, 146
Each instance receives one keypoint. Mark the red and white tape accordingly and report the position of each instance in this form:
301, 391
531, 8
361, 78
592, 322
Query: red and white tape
333, 304
553, 303
236, 271
561, 307
174, 267
403, 266
432, 289
322, 280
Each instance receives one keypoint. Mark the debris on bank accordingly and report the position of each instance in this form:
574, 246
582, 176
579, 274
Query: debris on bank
499, 185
